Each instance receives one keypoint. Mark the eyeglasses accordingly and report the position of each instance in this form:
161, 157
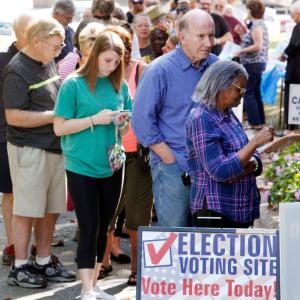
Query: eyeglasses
55, 47
205, 3
105, 18
242, 90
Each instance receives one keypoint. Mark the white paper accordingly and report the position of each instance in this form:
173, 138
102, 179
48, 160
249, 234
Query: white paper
229, 50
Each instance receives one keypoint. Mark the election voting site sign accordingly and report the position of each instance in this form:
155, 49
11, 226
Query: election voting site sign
294, 104
207, 264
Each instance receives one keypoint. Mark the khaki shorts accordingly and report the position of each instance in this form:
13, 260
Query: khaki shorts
38, 179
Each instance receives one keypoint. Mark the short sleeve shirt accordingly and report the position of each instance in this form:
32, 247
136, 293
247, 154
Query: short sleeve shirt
221, 28
5, 58
86, 152
31, 86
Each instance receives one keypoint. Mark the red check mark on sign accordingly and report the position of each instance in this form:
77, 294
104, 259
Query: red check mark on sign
156, 257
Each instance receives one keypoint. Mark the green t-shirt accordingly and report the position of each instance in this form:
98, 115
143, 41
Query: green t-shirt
86, 152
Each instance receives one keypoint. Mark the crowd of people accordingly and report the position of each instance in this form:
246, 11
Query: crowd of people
131, 109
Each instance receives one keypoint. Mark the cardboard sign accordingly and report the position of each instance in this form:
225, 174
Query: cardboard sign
207, 264
294, 104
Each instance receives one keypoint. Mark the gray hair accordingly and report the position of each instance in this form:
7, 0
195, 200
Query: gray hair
22, 21
295, 7
141, 15
218, 77
63, 6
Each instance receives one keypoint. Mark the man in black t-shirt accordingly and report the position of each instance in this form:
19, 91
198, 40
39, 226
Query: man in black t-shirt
29, 89
222, 32
8, 254
136, 7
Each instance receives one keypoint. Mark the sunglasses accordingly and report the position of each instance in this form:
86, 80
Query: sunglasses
105, 18
182, 10
242, 90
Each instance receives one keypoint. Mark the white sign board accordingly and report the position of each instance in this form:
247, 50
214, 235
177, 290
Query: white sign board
294, 104
207, 264
289, 225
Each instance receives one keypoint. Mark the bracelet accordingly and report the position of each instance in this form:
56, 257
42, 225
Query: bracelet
91, 124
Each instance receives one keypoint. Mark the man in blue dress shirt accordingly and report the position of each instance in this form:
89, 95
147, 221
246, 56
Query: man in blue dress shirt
162, 105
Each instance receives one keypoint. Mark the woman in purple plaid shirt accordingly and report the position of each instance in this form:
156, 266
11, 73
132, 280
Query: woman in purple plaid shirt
223, 162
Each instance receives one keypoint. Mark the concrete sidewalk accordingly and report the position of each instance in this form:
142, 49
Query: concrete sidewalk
114, 284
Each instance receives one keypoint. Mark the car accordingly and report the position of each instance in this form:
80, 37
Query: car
6, 34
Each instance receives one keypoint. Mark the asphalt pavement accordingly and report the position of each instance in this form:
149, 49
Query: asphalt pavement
114, 284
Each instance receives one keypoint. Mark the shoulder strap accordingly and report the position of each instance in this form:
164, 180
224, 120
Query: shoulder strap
137, 75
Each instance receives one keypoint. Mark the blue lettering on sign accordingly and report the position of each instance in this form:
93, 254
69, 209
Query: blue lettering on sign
254, 245
295, 100
182, 243
207, 244
260, 267
218, 251
209, 253
208, 265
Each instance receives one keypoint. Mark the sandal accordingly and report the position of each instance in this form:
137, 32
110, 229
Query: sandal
132, 279
121, 258
104, 271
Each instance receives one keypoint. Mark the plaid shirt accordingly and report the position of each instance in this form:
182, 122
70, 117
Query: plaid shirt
213, 140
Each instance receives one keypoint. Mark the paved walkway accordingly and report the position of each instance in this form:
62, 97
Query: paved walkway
114, 284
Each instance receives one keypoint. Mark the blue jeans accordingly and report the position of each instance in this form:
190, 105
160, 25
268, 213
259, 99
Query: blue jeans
171, 196
253, 104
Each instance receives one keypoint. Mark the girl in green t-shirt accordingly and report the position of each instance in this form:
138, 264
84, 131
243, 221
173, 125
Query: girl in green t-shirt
92, 109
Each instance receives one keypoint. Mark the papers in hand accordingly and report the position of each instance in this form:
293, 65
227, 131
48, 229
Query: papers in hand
229, 50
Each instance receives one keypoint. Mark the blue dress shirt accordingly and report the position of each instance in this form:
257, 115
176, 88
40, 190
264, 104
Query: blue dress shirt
163, 102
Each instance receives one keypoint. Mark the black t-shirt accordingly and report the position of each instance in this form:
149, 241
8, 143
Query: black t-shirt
221, 27
30, 85
146, 54
5, 58
130, 17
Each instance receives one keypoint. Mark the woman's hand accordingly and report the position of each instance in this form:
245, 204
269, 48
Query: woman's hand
103, 117
263, 136
122, 120
282, 57
249, 168
240, 30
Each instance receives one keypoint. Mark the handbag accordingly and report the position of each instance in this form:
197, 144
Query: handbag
116, 154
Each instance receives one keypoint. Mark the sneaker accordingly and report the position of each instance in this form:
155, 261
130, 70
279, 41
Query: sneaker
33, 252
100, 294
25, 277
8, 256
90, 295
55, 272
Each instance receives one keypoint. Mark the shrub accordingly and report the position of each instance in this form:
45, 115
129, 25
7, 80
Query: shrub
283, 176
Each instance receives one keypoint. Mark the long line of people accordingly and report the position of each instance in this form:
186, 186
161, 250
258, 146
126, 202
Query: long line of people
66, 105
